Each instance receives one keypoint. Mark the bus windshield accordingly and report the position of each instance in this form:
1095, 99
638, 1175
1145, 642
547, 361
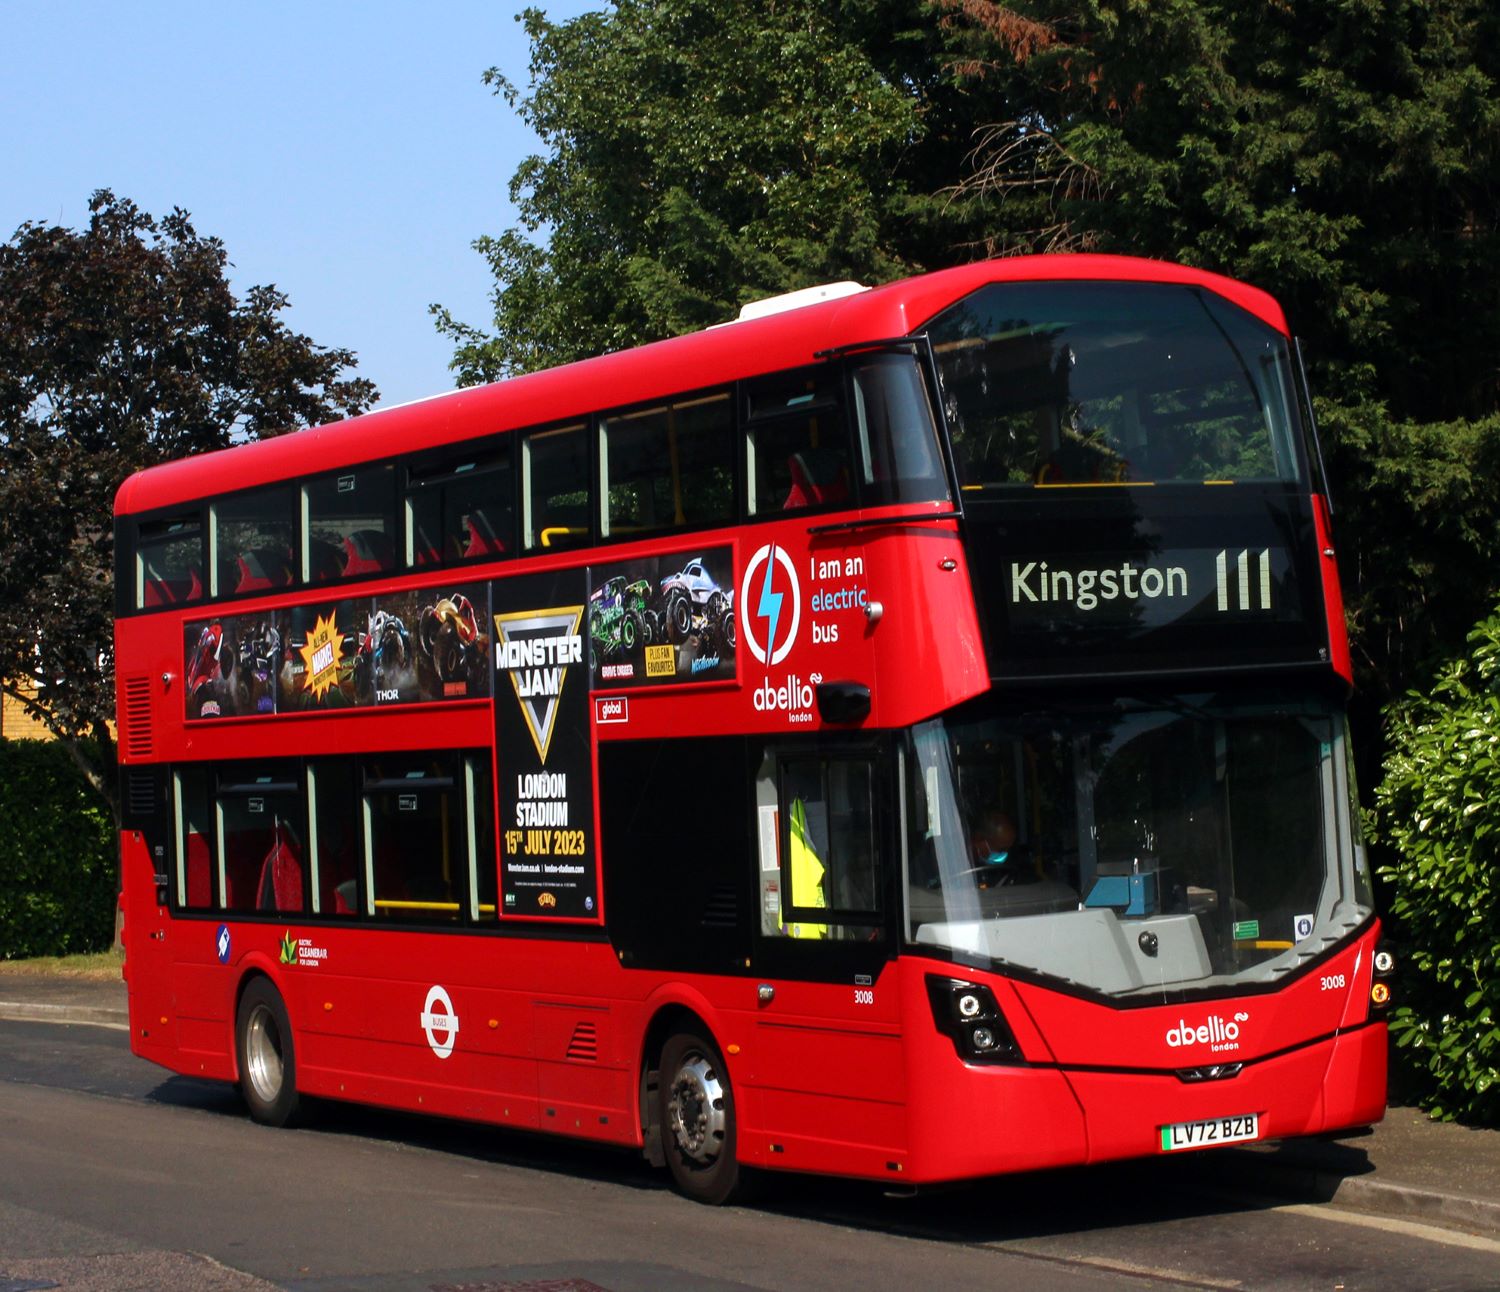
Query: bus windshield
1141, 846
1055, 384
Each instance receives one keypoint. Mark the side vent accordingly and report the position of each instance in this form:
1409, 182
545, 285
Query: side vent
722, 910
137, 717
584, 1047
141, 798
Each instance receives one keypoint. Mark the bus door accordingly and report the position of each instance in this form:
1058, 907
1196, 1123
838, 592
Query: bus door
828, 1050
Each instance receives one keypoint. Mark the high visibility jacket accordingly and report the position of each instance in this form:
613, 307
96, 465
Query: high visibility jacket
807, 875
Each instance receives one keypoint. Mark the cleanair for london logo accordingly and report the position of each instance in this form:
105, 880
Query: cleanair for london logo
769, 587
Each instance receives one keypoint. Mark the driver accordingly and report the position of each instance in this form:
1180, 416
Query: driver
994, 838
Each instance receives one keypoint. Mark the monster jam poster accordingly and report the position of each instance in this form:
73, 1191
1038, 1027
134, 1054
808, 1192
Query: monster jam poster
544, 760
401, 648
662, 620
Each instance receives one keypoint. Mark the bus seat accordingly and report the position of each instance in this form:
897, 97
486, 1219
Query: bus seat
243, 850
482, 539
262, 569
280, 886
169, 592
368, 551
818, 476
323, 561
199, 876
423, 550
390, 873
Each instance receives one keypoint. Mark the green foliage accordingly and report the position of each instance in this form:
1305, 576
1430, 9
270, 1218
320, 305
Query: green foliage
58, 855
702, 153
1436, 813
1419, 536
121, 345
1346, 158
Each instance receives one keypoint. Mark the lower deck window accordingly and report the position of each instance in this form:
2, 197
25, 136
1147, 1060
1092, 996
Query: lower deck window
400, 837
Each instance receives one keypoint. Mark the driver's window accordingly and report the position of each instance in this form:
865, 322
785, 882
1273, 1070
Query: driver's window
819, 855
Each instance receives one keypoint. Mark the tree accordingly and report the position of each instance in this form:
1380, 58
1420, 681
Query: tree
701, 153
1346, 157
121, 345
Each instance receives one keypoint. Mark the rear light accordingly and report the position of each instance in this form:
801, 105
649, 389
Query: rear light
1383, 970
969, 1016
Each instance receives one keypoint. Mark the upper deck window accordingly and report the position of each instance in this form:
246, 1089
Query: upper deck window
899, 457
251, 541
169, 563
555, 488
669, 466
798, 441
350, 524
1049, 384
461, 508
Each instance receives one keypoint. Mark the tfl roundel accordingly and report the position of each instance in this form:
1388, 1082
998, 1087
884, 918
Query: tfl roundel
771, 604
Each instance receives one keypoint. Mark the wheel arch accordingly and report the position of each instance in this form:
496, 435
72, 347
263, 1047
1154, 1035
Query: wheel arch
668, 1012
252, 967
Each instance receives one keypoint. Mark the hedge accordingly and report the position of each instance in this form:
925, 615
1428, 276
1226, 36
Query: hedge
1437, 812
58, 850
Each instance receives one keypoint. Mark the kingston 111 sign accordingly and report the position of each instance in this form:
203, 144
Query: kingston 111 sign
1186, 584
1069, 589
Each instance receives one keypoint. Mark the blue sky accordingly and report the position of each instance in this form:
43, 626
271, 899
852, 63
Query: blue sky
346, 152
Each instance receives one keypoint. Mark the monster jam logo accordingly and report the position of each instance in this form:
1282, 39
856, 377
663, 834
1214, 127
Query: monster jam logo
537, 648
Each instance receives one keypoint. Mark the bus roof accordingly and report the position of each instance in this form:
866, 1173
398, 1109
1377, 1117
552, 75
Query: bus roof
718, 355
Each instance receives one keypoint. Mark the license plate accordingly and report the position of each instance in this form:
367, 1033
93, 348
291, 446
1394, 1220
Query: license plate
1206, 1134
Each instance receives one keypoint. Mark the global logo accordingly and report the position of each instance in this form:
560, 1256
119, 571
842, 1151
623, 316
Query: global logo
221, 944
769, 588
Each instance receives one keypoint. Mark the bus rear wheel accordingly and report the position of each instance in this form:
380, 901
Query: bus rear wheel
697, 1120
267, 1057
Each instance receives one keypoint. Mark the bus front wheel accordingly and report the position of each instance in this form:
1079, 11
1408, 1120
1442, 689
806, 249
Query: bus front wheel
267, 1058
697, 1120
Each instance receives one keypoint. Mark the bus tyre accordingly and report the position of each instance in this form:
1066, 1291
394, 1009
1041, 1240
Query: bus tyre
267, 1058
697, 1120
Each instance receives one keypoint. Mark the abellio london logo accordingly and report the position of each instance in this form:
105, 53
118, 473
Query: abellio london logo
1216, 1033
770, 591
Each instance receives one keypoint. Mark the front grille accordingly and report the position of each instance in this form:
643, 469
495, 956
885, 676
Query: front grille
1211, 1072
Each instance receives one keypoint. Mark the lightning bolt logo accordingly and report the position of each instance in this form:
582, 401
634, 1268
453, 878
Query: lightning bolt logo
780, 611
770, 603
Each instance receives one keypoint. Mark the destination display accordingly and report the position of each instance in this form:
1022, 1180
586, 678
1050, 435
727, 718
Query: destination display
1207, 579
1183, 584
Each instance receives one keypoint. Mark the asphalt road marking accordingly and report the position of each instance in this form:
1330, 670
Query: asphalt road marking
1391, 1225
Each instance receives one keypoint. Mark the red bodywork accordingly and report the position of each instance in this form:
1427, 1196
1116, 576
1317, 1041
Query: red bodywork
555, 1035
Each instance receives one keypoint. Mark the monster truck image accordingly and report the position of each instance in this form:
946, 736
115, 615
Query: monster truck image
693, 603
619, 618
450, 637
259, 662
384, 654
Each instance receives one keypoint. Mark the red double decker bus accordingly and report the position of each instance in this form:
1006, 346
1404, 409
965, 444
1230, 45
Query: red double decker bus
898, 735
